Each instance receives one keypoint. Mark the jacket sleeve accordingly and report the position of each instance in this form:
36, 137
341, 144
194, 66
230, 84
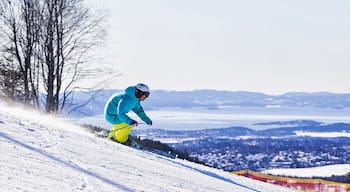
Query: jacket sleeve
141, 113
123, 108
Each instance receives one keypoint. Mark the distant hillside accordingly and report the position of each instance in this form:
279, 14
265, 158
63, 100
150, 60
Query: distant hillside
238, 148
212, 99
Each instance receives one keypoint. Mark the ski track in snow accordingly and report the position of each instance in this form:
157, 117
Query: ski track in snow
43, 153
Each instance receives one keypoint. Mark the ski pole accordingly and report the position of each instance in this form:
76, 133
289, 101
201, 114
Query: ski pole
124, 127
119, 129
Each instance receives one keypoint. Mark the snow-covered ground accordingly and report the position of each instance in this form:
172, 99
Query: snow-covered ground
43, 153
323, 171
322, 134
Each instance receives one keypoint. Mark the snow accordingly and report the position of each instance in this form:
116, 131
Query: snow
44, 153
322, 171
322, 134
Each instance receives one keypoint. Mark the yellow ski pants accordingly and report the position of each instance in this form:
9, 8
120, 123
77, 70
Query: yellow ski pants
120, 132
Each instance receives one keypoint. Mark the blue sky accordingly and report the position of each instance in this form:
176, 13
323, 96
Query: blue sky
269, 46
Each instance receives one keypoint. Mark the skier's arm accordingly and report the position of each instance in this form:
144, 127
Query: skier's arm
141, 113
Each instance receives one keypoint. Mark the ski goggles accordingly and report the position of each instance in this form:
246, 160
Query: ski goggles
146, 94
140, 93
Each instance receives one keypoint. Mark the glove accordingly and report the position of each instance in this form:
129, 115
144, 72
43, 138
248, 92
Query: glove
134, 123
149, 123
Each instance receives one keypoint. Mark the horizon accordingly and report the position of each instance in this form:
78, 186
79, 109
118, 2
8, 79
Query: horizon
247, 91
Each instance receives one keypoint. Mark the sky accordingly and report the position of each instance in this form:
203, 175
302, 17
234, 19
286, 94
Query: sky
269, 46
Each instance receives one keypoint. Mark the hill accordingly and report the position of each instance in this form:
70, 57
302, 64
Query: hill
43, 153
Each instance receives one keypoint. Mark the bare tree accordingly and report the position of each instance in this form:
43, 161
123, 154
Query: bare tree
19, 35
51, 42
70, 32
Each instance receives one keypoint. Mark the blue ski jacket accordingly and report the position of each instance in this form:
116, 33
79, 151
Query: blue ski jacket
119, 104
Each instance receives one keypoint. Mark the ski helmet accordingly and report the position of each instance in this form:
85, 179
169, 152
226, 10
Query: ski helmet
142, 89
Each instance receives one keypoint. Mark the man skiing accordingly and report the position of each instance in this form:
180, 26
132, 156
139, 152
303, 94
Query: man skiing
121, 103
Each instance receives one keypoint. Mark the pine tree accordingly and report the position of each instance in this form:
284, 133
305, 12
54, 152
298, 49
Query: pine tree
11, 80
348, 178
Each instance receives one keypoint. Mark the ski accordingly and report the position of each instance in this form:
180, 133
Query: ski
102, 133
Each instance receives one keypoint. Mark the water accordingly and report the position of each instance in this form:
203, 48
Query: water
199, 118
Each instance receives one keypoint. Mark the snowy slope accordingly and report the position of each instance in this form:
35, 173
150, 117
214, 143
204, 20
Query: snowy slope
322, 171
43, 153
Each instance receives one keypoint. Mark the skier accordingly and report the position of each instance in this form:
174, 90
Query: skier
121, 103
